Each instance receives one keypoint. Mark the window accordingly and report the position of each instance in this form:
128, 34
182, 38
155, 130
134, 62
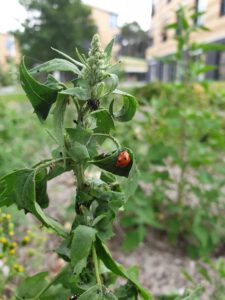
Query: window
153, 10
164, 35
222, 65
222, 9
178, 29
153, 71
200, 7
113, 20
165, 72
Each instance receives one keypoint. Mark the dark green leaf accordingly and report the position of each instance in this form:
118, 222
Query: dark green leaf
128, 110
41, 97
20, 187
41, 188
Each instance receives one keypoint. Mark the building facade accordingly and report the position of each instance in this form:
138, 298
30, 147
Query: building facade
106, 22
9, 50
163, 43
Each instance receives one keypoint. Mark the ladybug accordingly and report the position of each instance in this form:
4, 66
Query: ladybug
123, 159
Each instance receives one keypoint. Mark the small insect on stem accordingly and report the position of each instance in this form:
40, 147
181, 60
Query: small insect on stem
93, 104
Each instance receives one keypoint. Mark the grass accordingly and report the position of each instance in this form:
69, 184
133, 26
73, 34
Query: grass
21, 134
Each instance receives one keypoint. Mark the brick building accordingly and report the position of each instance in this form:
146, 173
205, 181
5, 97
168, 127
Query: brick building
163, 44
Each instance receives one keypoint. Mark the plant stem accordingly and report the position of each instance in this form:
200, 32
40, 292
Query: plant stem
79, 173
96, 265
107, 136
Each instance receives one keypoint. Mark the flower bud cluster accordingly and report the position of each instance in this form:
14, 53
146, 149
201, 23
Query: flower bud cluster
94, 70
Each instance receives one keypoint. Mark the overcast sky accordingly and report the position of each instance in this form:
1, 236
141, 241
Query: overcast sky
12, 13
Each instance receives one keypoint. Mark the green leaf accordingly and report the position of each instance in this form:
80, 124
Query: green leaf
134, 238
83, 238
201, 233
94, 293
56, 64
132, 182
108, 49
119, 270
37, 282
78, 152
53, 83
104, 121
79, 135
111, 83
205, 274
41, 96
128, 110
56, 292
19, 187
78, 138
171, 26
211, 47
80, 93
108, 162
67, 57
41, 188
58, 116
127, 291
205, 69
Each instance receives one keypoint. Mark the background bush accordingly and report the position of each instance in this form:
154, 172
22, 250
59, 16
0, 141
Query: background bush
179, 140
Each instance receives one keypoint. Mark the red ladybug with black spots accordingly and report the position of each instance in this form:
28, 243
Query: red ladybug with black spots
123, 159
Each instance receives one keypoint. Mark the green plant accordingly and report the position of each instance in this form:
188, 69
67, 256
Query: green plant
9, 266
180, 149
5, 77
16, 126
212, 274
90, 271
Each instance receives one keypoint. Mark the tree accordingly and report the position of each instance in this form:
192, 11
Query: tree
55, 23
133, 40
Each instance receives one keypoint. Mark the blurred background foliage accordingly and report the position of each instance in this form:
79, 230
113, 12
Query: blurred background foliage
61, 24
